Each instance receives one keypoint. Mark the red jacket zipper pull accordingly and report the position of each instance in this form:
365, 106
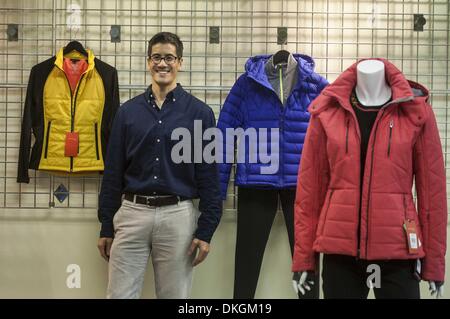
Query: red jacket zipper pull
391, 125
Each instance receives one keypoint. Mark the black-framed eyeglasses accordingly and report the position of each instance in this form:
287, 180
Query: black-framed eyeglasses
169, 59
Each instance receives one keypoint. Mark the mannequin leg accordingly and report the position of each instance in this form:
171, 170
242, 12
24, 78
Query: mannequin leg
344, 277
256, 212
397, 280
287, 197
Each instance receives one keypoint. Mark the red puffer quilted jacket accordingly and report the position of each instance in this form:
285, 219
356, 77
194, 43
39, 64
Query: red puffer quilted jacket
404, 143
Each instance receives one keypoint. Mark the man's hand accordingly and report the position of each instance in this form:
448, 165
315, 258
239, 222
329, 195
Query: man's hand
104, 246
203, 250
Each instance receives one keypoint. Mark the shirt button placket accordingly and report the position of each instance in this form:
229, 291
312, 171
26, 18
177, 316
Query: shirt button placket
158, 150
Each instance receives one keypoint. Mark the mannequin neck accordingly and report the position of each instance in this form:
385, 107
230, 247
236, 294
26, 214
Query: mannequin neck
371, 87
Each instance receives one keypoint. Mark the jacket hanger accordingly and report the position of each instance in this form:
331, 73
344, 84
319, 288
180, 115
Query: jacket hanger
281, 56
77, 46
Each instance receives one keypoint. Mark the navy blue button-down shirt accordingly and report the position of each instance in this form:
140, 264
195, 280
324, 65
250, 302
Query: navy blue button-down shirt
139, 159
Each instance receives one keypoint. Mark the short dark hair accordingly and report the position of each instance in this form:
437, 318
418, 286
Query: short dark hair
166, 37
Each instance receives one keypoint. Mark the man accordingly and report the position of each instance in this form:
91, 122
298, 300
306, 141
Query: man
156, 216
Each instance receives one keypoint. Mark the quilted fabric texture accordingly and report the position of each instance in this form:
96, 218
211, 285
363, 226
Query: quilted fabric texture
252, 103
404, 144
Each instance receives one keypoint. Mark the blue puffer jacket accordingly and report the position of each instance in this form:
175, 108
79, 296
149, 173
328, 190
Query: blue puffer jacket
253, 103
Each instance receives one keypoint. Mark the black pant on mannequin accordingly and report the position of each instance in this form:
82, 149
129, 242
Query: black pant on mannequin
256, 212
346, 277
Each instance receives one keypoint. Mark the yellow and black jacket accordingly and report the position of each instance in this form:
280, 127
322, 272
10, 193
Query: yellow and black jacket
53, 108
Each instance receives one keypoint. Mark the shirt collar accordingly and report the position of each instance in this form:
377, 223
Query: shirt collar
173, 95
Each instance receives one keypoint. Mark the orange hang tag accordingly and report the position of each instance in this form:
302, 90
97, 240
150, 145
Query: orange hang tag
411, 236
71, 149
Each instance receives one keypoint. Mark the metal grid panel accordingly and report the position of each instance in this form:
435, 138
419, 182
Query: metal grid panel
334, 32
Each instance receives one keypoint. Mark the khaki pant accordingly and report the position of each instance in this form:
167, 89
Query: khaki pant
164, 234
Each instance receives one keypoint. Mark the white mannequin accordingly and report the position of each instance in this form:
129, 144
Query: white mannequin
371, 90
371, 87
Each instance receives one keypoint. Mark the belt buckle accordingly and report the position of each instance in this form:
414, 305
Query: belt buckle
149, 198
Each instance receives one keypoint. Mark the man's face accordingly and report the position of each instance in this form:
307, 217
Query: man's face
164, 73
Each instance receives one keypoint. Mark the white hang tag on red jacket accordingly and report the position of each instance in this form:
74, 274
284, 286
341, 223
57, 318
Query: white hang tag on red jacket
411, 236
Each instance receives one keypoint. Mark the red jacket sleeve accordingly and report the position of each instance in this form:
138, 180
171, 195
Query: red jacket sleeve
432, 198
311, 189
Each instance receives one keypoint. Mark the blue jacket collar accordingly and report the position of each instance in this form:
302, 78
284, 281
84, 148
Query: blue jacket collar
254, 68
